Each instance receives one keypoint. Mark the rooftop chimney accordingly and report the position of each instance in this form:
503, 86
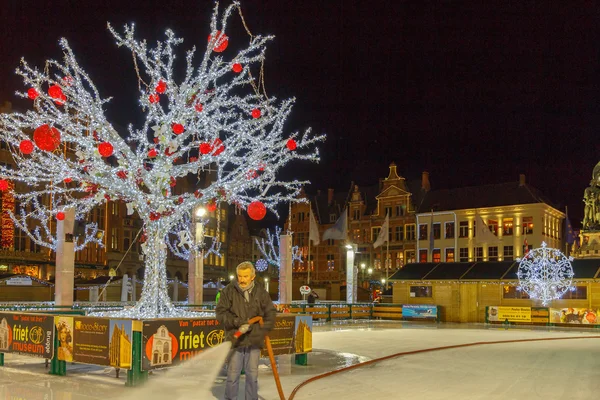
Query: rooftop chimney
521, 179
425, 185
329, 196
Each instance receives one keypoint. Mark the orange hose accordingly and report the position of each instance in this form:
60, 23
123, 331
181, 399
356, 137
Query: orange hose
271, 357
376, 360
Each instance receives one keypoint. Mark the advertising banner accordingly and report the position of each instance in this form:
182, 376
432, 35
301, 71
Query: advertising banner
419, 311
282, 335
512, 314
30, 334
584, 316
98, 341
169, 342
303, 334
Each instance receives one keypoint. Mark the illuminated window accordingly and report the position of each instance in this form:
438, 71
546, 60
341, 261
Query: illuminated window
410, 256
422, 255
507, 226
450, 254
493, 225
421, 291
436, 256
527, 225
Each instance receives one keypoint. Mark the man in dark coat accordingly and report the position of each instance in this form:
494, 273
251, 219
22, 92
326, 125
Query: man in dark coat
240, 301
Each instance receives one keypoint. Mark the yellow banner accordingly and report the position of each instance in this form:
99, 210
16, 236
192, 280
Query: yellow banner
512, 314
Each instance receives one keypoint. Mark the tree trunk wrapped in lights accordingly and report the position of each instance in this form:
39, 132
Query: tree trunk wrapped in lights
203, 122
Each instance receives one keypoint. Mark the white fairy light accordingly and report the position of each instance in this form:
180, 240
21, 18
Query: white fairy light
203, 122
269, 248
545, 274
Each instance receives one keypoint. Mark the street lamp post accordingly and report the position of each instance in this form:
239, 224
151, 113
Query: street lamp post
362, 269
196, 260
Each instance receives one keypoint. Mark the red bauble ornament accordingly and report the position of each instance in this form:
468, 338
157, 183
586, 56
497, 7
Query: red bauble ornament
68, 180
105, 149
122, 174
257, 210
32, 94
198, 107
26, 146
218, 146
55, 92
177, 129
172, 182
60, 216
154, 216
212, 206
60, 100
251, 174
46, 138
152, 153
256, 113
161, 87
153, 98
221, 42
237, 68
291, 144
180, 200
261, 166
205, 148
3, 184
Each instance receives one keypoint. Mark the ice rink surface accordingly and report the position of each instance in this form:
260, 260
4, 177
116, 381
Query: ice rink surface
548, 369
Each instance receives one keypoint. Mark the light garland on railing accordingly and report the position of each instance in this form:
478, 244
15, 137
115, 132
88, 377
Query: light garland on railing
203, 122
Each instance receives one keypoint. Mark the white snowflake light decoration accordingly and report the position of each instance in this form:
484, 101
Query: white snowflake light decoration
545, 274
213, 117
261, 265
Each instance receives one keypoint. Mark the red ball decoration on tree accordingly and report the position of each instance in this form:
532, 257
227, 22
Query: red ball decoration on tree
177, 129
46, 138
3, 184
60, 216
212, 206
32, 94
237, 68
256, 113
291, 144
205, 148
153, 98
152, 153
105, 149
257, 210
221, 42
161, 87
26, 146
198, 107
55, 92
67, 180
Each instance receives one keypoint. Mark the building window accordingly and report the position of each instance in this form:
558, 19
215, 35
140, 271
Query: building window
579, 293
330, 262
436, 256
20, 239
399, 260
399, 211
399, 233
356, 214
511, 292
410, 256
449, 230
301, 217
388, 211
527, 225
493, 225
423, 256
463, 253
375, 232
114, 238
478, 253
450, 254
493, 253
508, 253
463, 229
356, 235
332, 218
114, 208
437, 230
421, 291
507, 227
410, 231
330, 242
422, 231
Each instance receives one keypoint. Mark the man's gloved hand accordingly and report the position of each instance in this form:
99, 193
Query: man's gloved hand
244, 328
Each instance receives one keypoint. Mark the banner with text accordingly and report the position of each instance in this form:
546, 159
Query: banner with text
30, 334
512, 314
419, 311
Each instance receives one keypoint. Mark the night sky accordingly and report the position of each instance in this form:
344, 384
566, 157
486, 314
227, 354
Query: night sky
473, 92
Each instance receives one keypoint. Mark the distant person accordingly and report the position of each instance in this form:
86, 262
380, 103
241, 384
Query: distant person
240, 301
312, 296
